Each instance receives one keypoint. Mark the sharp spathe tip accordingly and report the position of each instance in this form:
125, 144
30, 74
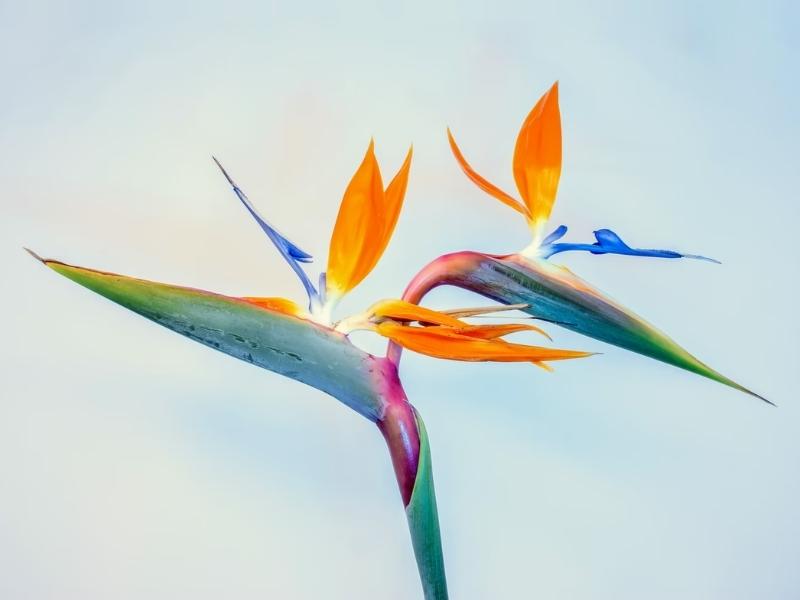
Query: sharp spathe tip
705, 258
760, 397
34, 255
224, 172
730, 383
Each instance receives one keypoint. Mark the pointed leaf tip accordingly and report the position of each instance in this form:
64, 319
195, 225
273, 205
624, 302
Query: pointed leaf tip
557, 295
261, 331
34, 255
221, 168
741, 388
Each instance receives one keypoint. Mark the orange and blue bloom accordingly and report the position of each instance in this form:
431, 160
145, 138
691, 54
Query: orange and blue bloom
306, 344
549, 291
537, 171
309, 345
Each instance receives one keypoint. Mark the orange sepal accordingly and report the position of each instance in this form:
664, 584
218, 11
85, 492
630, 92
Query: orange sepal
444, 342
395, 192
537, 157
400, 310
482, 183
281, 305
490, 332
367, 217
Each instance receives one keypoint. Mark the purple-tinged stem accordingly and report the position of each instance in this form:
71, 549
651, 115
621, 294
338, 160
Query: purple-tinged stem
447, 269
405, 435
555, 294
399, 428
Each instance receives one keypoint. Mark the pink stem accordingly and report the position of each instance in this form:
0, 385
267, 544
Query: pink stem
438, 272
399, 428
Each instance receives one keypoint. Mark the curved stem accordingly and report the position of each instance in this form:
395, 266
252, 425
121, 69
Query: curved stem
306, 352
553, 293
399, 428
440, 271
405, 435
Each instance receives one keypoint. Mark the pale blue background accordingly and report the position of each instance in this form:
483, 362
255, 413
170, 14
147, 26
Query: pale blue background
136, 464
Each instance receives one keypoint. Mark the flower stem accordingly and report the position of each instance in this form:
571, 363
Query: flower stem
405, 435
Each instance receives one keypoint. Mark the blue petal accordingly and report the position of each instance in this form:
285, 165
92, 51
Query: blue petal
557, 234
609, 242
290, 251
608, 239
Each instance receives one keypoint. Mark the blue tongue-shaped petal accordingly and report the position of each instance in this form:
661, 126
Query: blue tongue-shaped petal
290, 251
553, 293
295, 252
608, 239
609, 242
288, 246
556, 235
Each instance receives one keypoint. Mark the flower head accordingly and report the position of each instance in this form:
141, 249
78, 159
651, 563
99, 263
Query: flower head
537, 170
367, 217
308, 346
546, 290
442, 334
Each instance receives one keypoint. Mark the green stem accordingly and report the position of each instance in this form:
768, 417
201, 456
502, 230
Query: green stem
405, 435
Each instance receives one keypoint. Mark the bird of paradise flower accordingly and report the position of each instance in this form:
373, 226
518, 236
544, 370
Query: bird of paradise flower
548, 291
309, 345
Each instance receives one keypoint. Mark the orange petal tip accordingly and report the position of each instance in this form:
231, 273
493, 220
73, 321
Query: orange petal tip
367, 217
483, 183
281, 305
449, 343
538, 155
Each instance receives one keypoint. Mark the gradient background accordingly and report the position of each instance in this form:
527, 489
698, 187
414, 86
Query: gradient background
137, 464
